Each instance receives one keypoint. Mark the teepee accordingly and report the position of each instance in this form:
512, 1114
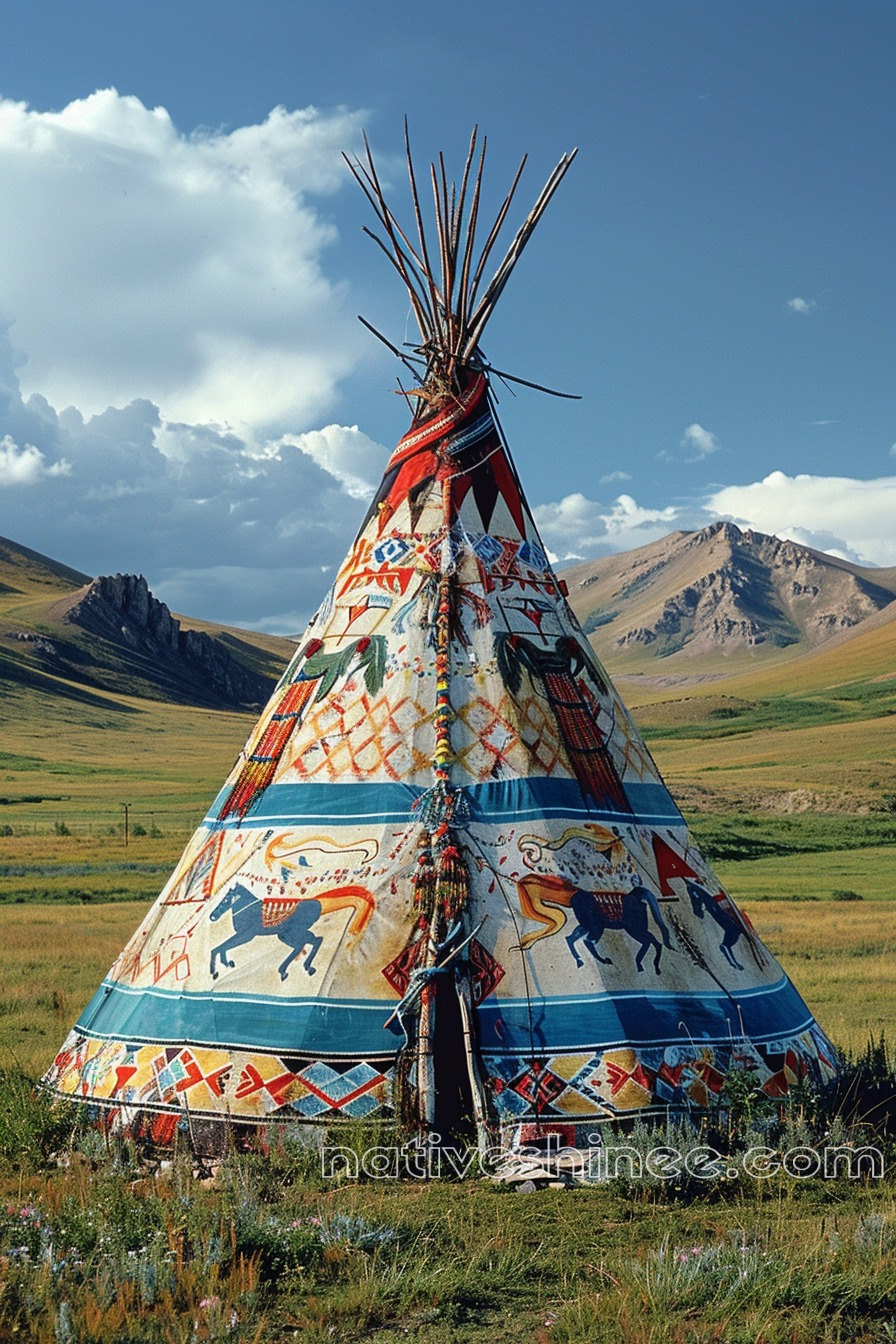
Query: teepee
444, 881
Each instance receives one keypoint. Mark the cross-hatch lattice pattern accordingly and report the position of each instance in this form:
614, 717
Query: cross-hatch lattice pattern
352, 735
498, 741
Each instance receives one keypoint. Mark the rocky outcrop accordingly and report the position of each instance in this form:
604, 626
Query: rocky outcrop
120, 609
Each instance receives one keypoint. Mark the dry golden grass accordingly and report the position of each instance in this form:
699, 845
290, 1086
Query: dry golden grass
86, 759
842, 958
52, 960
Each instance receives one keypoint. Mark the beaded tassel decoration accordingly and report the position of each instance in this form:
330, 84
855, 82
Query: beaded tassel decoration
452, 878
424, 881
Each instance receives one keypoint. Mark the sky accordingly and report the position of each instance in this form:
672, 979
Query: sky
186, 391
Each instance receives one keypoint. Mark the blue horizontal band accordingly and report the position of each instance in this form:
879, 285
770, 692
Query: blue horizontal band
499, 801
329, 1029
637, 1019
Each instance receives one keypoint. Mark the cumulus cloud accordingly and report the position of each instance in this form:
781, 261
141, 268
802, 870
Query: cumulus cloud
577, 527
137, 261
614, 476
26, 465
698, 443
852, 517
842, 516
801, 305
345, 452
231, 529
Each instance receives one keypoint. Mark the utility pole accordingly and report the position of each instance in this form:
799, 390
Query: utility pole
126, 807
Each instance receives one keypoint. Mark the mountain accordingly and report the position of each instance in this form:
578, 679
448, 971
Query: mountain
61, 630
722, 595
693, 606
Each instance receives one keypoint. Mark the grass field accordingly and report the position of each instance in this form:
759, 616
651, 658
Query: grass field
267, 1254
100, 1250
795, 804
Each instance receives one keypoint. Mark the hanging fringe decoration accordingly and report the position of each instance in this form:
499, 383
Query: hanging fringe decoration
404, 1093
453, 882
424, 881
452, 877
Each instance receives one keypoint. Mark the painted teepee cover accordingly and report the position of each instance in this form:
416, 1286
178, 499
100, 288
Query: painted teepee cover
445, 824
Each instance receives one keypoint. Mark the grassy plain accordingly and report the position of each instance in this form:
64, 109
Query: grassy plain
267, 1254
790, 814
794, 803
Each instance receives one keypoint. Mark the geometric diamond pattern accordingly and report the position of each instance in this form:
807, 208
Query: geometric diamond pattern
541, 736
356, 1092
538, 1085
493, 738
487, 548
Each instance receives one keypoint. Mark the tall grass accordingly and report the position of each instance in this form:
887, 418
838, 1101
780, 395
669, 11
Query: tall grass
105, 1249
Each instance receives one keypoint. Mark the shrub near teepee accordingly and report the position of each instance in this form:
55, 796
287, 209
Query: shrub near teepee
444, 881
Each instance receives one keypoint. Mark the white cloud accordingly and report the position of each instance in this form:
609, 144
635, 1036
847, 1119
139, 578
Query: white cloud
26, 465
856, 515
845, 517
136, 261
577, 526
354, 459
614, 476
801, 305
226, 528
699, 443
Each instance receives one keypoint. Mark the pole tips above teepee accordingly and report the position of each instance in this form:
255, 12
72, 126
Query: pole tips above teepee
443, 275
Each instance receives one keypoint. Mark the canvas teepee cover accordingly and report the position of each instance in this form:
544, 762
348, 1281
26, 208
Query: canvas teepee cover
444, 875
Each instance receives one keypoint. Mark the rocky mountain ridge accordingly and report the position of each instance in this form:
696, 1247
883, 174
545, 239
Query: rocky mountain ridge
66, 635
724, 591
120, 608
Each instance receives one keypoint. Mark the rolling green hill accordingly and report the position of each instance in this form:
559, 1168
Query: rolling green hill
65, 635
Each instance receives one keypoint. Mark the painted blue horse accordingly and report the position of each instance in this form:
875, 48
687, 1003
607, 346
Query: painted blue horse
595, 917
702, 903
246, 910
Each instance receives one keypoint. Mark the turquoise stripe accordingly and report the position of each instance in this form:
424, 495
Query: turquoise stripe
346, 1028
498, 802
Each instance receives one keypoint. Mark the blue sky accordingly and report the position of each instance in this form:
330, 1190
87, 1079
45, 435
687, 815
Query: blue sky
715, 276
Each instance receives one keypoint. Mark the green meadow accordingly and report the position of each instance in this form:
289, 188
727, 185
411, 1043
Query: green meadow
791, 791
799, 821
